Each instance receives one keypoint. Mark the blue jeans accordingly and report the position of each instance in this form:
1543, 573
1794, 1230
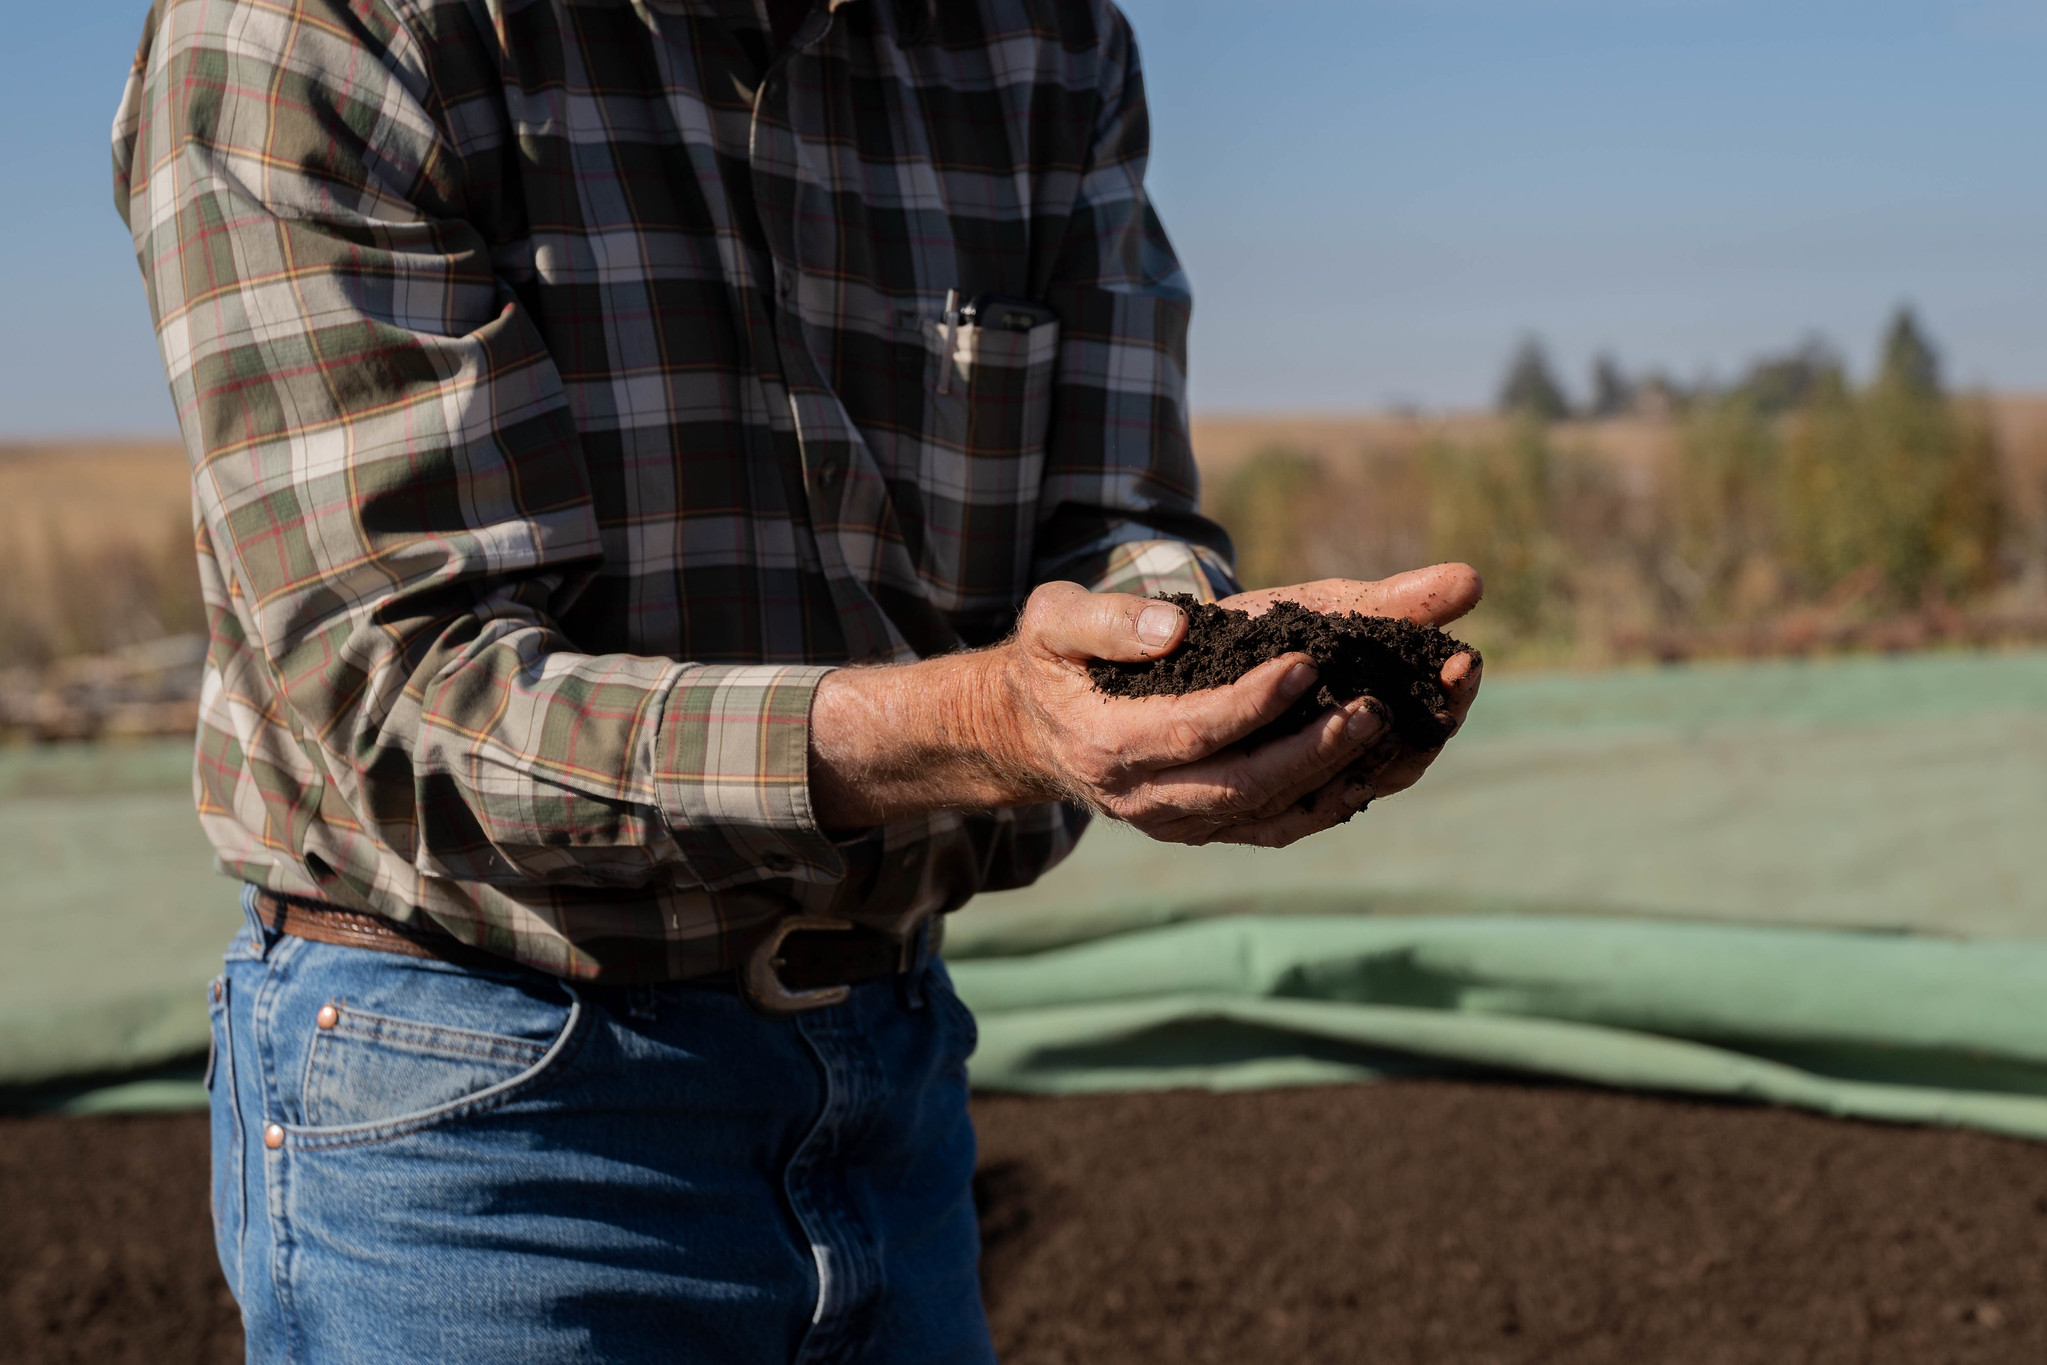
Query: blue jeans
460, 1165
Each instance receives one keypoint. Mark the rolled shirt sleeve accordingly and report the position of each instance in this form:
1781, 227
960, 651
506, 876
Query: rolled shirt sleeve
734, 774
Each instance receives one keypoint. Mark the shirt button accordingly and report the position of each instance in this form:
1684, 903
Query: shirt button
273, 1136
328, 1016
777, 861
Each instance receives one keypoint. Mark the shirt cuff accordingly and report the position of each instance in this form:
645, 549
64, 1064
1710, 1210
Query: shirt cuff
732, 769
1154, 568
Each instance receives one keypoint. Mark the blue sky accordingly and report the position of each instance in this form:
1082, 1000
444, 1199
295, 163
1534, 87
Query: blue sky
1375, 198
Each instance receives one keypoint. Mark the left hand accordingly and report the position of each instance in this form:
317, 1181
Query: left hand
1434, 596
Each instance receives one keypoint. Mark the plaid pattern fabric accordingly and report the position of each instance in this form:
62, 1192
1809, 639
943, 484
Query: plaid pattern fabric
569, 383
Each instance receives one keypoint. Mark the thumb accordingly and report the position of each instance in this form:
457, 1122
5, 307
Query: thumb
1067, 620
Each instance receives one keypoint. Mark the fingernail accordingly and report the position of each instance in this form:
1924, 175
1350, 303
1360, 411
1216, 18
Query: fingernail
1364, 724
1298, 679
1156, 624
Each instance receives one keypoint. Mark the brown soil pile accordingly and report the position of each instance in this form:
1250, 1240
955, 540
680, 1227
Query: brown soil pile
1394, 661
1454, 1223
107, 1254
1444, 1222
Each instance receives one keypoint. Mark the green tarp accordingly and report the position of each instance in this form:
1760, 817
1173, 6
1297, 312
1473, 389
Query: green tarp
1869, 1025
113, 916
1820, 884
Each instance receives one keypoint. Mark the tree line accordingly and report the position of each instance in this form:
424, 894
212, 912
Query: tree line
1792, 489
1776, 383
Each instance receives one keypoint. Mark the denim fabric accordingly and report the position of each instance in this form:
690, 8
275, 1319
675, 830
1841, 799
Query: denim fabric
502, 1167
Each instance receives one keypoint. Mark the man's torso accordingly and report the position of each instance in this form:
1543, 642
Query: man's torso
739, 262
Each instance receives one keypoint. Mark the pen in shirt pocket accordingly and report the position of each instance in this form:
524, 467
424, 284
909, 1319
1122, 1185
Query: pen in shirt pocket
998, 312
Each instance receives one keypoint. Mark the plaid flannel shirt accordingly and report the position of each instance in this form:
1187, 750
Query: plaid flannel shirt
569, 384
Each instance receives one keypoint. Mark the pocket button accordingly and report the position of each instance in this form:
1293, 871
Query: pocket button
273, 1136
328, 1016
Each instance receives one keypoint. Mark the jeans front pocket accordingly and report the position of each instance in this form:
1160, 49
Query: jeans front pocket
981, 458
404, 1045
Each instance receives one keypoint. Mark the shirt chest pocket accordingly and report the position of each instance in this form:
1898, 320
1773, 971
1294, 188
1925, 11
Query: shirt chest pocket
980, 458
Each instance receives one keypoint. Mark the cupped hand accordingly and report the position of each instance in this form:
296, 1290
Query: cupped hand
1023, 722
1170, 766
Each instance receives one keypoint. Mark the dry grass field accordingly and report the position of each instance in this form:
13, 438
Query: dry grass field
95, 549
95, 540
1871, 518
85, 497
1224, 441
1644, 446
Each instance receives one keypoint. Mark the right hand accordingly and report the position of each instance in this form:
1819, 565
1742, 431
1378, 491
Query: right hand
1164, 764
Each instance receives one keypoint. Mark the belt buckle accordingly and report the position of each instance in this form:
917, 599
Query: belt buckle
760, 980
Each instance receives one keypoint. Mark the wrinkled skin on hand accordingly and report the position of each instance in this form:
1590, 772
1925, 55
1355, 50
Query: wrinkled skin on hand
1171, 766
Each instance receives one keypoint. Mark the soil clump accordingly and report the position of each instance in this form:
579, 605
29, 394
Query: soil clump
1394, 661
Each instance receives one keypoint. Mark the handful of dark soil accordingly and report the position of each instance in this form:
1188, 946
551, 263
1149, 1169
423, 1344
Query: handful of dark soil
1395, 661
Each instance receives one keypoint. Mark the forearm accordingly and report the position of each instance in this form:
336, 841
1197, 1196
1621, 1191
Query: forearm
894, 742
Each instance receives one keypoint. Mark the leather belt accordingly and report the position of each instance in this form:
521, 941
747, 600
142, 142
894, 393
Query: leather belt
801, 962
302, 917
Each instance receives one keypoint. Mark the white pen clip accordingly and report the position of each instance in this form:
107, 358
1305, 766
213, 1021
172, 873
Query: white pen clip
952, 332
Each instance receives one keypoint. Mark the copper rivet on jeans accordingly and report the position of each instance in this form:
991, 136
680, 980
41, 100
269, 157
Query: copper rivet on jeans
328, 1016
216, 992
273, 1136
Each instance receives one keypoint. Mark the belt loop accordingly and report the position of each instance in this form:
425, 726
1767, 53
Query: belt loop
910, 981
261, 932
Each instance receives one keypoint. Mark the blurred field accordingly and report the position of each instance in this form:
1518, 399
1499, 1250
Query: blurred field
95, 549
1223, 442
1888, 517
91, 495
1722, 527
1640, 449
